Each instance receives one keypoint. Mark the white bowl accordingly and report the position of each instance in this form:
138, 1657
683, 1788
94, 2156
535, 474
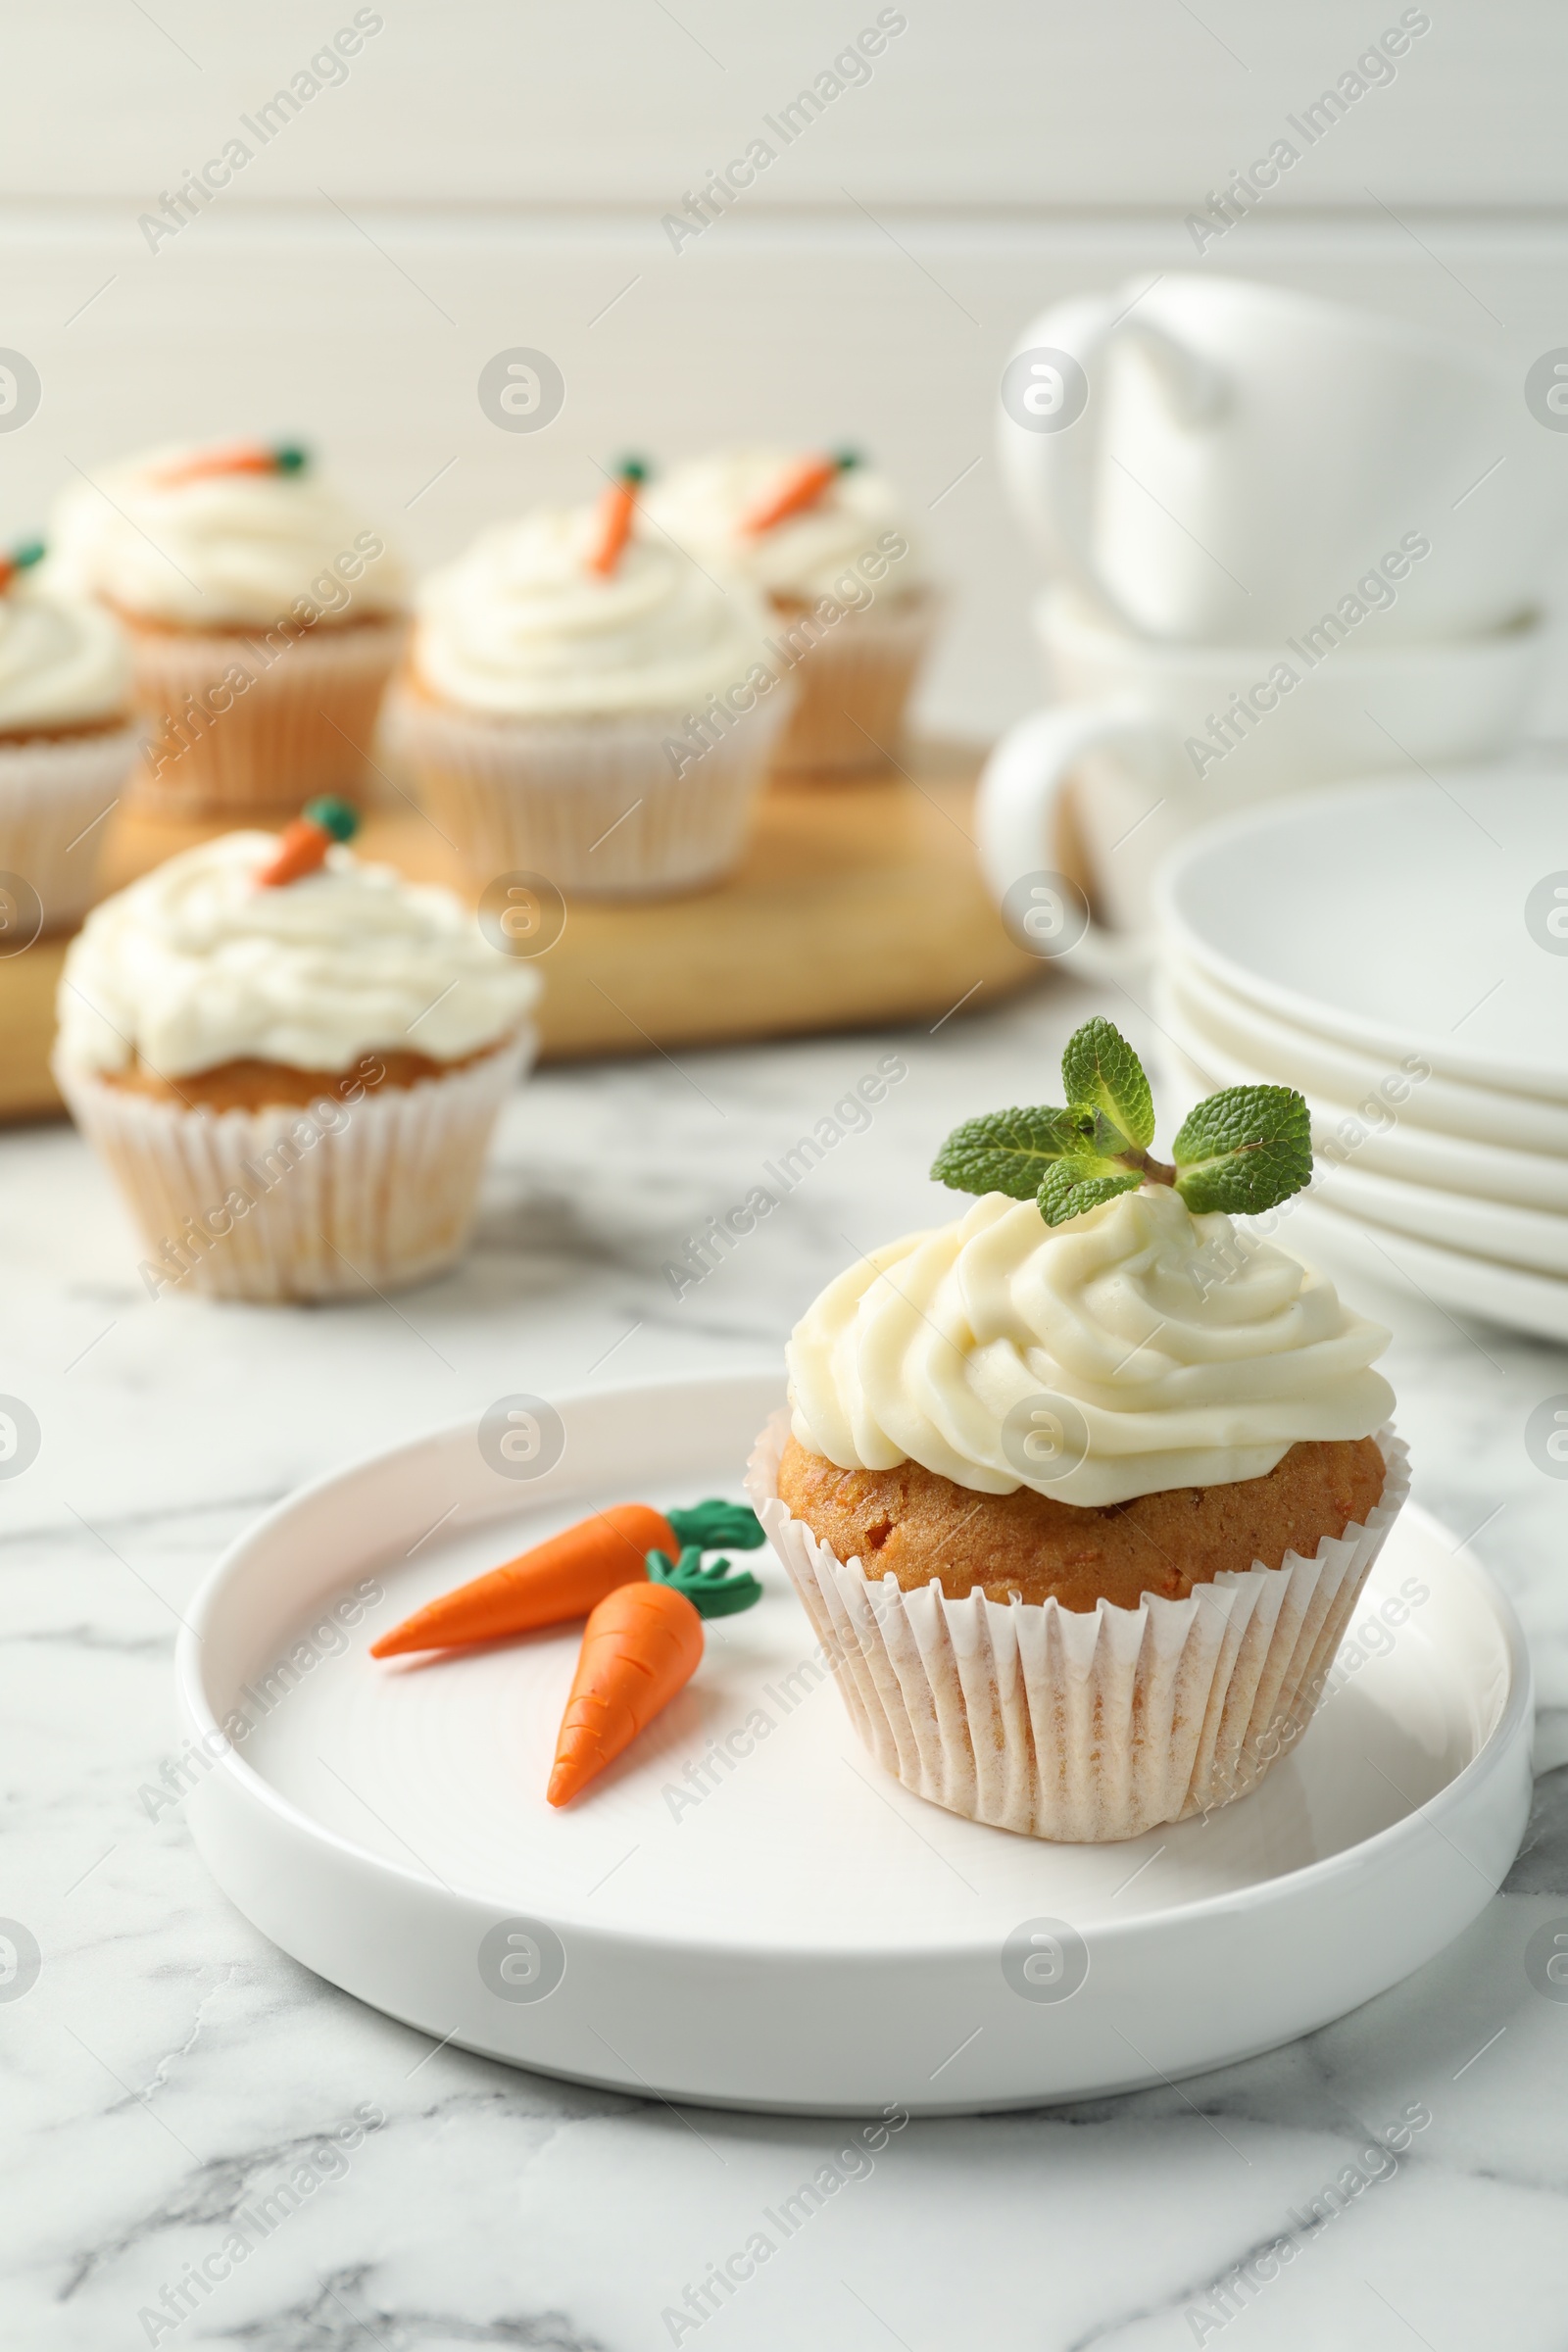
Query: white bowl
743, 1910
1395, 917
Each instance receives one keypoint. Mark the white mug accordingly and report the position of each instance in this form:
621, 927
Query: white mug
1155, 740
1231, 458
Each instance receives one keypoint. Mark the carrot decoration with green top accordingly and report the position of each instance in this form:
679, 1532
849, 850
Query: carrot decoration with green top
798, 492
232, 457
641, 1645
569, 1574
305, 840
20, 560
616, 507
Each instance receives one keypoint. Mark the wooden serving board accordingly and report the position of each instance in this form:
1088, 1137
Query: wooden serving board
856, 903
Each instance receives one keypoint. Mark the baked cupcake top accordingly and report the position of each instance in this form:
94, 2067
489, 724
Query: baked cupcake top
1083, 1330
63, 661
222, 537
855, 526
200, 964
528, 625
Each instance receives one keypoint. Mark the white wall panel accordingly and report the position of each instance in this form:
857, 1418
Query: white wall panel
1119, 102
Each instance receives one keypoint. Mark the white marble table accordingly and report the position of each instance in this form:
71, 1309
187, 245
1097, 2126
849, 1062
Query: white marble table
169, 2067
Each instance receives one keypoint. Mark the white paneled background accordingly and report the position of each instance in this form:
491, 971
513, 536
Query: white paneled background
494, 172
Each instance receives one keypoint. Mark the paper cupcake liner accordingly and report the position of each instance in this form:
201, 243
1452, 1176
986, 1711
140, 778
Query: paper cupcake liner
52, 795
855, 685
341, 1198
302, 725
593, 803
1080, 1726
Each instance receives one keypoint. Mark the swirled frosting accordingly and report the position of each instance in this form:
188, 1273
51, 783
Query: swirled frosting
858, 519
63, 662
521, 625
198, 964
223, 550
1172, 1353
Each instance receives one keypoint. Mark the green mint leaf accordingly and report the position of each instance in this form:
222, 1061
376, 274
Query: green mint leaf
1010, 1150
1101, 1069
1245, 1151
1073, 1185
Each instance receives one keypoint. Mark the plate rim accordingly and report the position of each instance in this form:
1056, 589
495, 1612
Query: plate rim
1514, 1720
1502, 1074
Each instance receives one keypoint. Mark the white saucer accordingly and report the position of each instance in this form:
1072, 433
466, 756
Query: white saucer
1301, 1058
1452, 1164
1398, 917
784, 1927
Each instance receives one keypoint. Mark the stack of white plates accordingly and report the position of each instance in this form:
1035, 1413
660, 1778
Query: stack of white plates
1398, 953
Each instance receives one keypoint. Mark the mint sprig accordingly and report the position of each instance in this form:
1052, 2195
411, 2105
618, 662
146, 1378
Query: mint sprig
1242, 1150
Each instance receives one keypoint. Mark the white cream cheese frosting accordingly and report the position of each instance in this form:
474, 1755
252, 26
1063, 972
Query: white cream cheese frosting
521, 626
856, 530
222, 550
1186, 1356
199, 964
63, 662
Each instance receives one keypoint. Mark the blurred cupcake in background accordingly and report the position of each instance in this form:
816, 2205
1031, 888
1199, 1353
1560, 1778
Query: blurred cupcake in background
583, 700
828, 544
265, 616
68, 743
291, 1061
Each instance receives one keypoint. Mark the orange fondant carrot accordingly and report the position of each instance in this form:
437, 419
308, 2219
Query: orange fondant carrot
798, 491
20, 560
231, 457
305, 840
615, 511
564, 1577
642, 1645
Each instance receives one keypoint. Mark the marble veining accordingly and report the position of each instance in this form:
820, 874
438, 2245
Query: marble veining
168, 2069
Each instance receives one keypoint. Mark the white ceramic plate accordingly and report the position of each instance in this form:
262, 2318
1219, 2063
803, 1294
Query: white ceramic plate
743, 1910
1316, 1064
1510, 1295
1393, 916
1527, 1238
1415, 1154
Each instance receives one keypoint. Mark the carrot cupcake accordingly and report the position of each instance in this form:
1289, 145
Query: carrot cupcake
264, 611
1080, 1491
68, 742
582, 700
291, 1061
828, 544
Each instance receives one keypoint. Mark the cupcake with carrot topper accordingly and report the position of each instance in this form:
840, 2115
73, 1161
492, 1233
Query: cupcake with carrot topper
265, 615
1080, 1491
291, 1061
583, 700
68, 743
828, 543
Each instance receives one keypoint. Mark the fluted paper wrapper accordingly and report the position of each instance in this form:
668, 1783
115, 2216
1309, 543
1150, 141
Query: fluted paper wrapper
855, 685
1080, 1726
593, 803
302, 725
53, 795
382, 1199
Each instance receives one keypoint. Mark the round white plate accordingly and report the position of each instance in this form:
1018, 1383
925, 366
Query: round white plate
1510, 1296
1531, 1239
1452, 1164
1316, 1064
743, 1910
1393, 916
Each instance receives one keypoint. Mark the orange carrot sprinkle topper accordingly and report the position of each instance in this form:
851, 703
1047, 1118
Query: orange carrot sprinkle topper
20, 560
233, 457
640, 1648
799, 491
569, 1574
303, 843
613, 524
